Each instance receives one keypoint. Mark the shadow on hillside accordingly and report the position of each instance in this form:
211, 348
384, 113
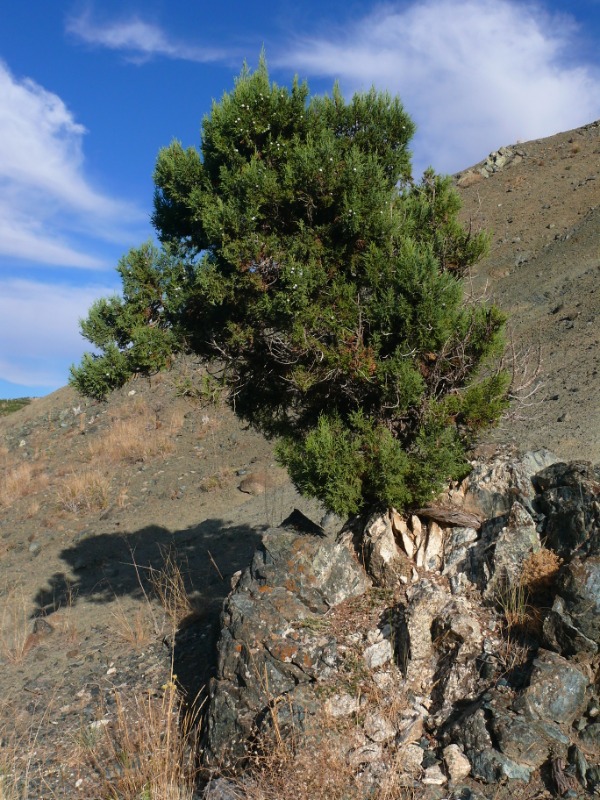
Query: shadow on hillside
111, 565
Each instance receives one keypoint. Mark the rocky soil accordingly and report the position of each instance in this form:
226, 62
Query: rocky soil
88, 525
541, 201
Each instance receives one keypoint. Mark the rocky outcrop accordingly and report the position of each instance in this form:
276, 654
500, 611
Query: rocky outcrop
450, 672
273, 644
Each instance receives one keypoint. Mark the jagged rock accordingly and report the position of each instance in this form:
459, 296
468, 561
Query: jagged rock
414, 637
516, 541
378, 654
410, 759
457, 764
520, 739
492, 766
433, 776
378, 728
573, 625
434, 550
456, 552
384, 560
264, 650
556, 691
491, 488
570, 500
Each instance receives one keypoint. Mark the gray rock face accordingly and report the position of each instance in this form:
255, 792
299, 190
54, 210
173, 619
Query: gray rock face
437, 657
570, 500
514, 543
557, 690
573, 625
267, 647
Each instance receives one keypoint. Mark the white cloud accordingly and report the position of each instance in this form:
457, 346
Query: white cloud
45, 194
39, 330
141, 40
474, 74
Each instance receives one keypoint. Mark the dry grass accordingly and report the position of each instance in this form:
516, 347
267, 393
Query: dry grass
143, 749
540, 571
19, 479
131, 440
315, 766
84, 492
14, 624
168, 585
137, 627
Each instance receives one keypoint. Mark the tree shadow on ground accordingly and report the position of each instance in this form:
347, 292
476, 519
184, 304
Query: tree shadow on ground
105, 566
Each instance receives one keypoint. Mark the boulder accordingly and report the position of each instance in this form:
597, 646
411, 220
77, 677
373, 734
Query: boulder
265, 650
573, 625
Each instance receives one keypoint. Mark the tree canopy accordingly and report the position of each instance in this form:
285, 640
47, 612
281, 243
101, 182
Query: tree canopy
298, 253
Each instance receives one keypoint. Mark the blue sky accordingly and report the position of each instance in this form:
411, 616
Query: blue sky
89, 92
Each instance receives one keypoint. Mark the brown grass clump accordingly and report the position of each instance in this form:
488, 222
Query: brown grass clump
540, 571
14, 633
84, 492
131, 440
143, 749
136, 628
17, 480
168, 586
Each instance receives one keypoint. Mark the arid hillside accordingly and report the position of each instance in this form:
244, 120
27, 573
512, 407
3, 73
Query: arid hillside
541, 201
121, 519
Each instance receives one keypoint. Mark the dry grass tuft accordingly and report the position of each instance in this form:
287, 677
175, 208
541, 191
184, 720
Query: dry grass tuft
315, 766
14, 623
168, 585
84, 492
136, 628
143, 750
19, 479
131, 440
540, 571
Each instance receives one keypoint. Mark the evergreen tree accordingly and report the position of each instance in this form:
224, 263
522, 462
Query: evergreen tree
299, 254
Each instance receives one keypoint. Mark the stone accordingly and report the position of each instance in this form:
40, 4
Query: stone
556, 691
433, 776
378, 654
410, 758
414, 637
515, 543
457, 764
434, 550
378, 728
342, 705
491, 766
492, 486
579, 586
366, 754
384, 560
457, 545
221, 789
42, 627
520, 739
569, 500
264, 651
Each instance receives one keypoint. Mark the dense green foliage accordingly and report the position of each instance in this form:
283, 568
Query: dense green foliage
298, 253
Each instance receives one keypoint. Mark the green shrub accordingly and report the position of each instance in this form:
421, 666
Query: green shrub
300, 255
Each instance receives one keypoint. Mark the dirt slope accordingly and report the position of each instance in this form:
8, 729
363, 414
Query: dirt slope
96, 497
543, 207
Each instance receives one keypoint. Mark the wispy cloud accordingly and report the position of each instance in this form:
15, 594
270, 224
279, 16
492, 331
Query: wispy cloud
46, 197
138, 39
474, 74
39, 329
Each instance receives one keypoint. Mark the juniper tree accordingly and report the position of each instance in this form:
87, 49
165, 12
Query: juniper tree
300, 255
